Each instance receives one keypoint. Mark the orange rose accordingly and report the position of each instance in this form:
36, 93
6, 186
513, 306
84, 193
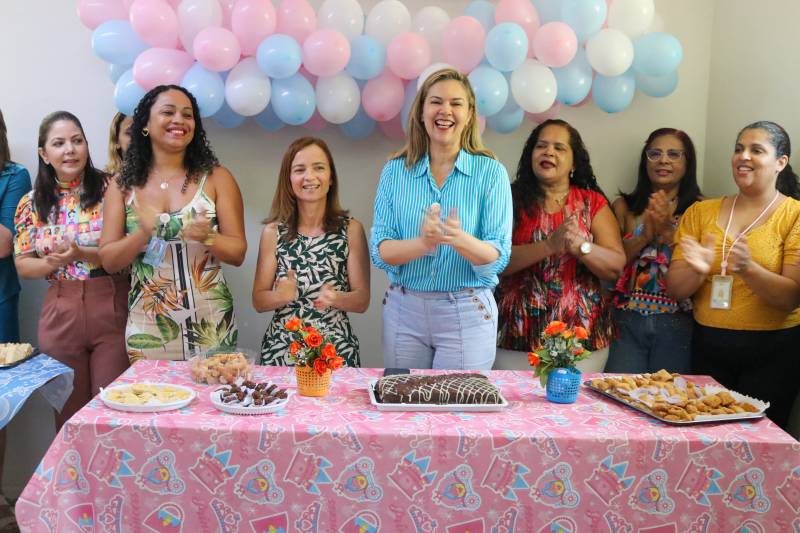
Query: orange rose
294, 348
554, 327
328, 351
319, 366
577, 351
581, 333
335, 362
533, 358
309, 329
293, 324
314, 339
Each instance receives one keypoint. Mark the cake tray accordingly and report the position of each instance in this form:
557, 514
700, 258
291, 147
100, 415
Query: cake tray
447, 407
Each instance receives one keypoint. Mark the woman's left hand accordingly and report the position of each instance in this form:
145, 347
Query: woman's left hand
327, 297
68, 253
739, 259
453, 234
199, 228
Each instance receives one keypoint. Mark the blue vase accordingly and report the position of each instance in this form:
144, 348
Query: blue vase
562, 385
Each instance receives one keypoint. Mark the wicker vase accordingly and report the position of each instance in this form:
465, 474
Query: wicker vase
309, 383
563, 384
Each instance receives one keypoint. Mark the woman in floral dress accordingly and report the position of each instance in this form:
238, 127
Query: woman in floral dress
174, 215
313, 261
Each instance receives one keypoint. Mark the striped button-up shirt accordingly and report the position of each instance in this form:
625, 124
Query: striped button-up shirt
478, 187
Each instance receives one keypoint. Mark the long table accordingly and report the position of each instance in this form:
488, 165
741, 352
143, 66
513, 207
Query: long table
336, 464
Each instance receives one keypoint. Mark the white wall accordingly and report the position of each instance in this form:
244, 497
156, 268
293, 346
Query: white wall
47, 64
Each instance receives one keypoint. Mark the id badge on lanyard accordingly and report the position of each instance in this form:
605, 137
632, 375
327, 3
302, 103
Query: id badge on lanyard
157, 247
721, 292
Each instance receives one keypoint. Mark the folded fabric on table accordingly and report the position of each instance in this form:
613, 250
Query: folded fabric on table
461, 388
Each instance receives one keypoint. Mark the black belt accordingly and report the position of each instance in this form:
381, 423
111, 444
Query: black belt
98, 273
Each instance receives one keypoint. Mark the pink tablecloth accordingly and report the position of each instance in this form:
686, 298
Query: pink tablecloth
338, 465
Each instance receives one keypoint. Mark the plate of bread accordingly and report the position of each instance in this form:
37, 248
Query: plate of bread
145, 397
14, 353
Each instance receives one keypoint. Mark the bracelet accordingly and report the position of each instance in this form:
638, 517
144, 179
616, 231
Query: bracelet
210, 238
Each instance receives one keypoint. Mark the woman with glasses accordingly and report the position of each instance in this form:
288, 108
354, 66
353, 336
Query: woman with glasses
655, 330
738, 258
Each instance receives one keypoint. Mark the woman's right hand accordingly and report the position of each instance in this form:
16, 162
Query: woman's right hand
431, 231
146, 215
287, 287
699, 256
559, 240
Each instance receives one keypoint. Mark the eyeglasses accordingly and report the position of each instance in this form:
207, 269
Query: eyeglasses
654, 154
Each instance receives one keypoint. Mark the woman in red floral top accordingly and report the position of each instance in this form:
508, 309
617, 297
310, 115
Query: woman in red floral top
565, 241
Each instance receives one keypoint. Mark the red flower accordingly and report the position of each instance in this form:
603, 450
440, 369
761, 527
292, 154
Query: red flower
555, 327
309, 329
320, 367
294, 348
328, 351
293, 324
533, 358
314, 339
335, 362
581, 333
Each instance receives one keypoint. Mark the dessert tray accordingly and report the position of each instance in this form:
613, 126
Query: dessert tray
449, 407
12, 354
250, 398
146, 397
673, 399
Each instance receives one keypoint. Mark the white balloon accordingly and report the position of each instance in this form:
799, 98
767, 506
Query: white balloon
196, 15
610, 52
344, 16
430, 70
533, 86
430, 22
338, 98
387, 19
247, 89
631, 17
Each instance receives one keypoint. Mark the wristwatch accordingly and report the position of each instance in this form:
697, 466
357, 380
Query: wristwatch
586, 248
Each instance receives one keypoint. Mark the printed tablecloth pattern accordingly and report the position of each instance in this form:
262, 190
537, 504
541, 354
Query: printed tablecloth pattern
43, 373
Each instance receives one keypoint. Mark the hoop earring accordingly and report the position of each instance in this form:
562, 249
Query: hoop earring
145, 131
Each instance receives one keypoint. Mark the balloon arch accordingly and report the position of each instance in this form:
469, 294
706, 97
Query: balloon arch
290, 65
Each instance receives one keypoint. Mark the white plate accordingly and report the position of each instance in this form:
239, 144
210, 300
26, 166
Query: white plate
447, 407
273, 407
150, 407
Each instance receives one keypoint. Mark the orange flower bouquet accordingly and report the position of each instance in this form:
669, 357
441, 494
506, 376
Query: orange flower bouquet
314, 357
562, 347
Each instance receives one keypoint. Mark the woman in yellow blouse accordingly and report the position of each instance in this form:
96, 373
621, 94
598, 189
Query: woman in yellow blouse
738, 257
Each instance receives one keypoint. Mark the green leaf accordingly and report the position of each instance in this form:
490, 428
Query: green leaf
168, 328
144, 341
222, 294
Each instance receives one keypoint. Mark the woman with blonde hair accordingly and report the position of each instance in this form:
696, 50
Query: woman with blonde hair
119, 139
442, 232
313, 261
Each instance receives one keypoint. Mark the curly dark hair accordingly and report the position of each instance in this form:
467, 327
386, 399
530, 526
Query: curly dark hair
45, 193
526, 190
688, 190
198, 159
788, 181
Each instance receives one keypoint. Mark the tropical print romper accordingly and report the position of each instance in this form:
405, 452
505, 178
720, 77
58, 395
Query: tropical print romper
184, 304
316, 261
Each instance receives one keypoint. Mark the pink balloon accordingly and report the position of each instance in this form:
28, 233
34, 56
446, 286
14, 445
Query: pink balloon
252, 21
217, 49
408, 55
382, 97
155, 22
316, 123
296, 18
227, 11
392, 128
92, 13
160, 66
545, 115
519, 12
462, 43
326, 52
555, 44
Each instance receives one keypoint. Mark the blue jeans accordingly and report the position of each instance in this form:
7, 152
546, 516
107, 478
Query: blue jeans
650, 343
448, 330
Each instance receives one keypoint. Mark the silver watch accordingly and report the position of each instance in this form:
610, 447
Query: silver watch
586, 248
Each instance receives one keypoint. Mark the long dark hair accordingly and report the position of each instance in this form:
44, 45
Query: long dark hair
45, 196
787, 179
688, 190
199, 158
284, 203
5, 152
526, 190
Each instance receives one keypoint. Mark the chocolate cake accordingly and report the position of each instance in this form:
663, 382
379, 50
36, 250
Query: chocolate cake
437, 389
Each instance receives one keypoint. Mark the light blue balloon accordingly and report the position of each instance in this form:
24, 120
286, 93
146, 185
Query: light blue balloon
585, 17
411, 93
227, 117
483, 11
367, 58
657, 86
508, 119
127, 93
114, 41
615, 93
548, 10
506, 46
268, 120
574, 79
293, 99
116, 71
491, 90
279, 56
358, 127
207, 87
656, 54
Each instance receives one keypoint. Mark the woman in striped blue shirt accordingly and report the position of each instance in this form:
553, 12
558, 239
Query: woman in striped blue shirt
442, 232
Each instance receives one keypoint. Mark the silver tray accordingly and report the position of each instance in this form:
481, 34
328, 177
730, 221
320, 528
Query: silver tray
447, 407
701, 419
33, 354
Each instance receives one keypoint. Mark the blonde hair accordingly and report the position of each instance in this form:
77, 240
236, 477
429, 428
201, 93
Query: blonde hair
417, 140
115, 157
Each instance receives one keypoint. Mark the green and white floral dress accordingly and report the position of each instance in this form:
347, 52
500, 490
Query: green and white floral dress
183, 304
316, 261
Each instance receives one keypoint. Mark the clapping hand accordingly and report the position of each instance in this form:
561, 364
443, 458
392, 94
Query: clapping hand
65, 254
557, 241
431, 230
699, 256
658, 216
327, 297
739, 258
287, 287
199, 228
146, 214
453, 234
